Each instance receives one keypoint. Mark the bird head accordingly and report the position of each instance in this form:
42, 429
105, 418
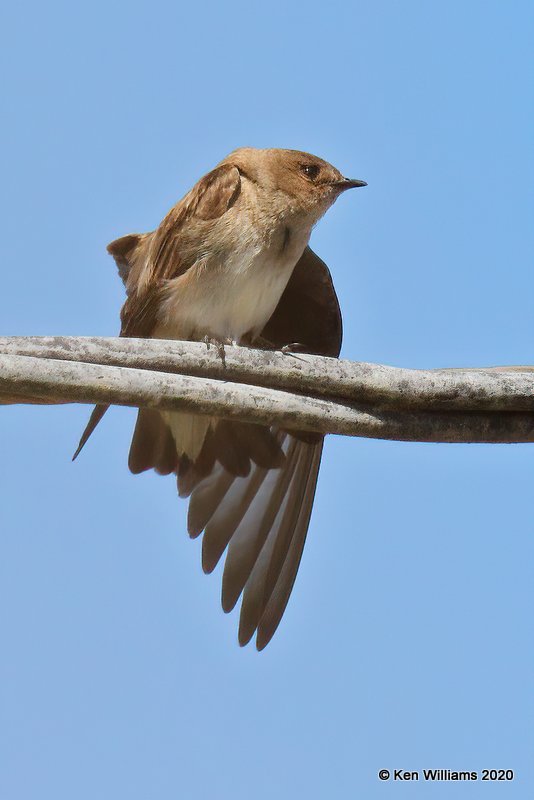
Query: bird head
298, 182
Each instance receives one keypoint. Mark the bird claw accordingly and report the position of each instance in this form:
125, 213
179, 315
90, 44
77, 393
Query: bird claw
219, 346
290, 348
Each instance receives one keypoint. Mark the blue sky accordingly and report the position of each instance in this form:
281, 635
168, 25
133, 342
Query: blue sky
408, 641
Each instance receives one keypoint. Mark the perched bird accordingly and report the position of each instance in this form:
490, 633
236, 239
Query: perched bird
231, 263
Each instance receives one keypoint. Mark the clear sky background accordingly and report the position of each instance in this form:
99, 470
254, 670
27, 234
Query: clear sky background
408, 640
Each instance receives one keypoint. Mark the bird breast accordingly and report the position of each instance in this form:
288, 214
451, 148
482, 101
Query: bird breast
226, 295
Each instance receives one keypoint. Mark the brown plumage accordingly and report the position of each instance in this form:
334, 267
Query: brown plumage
230, 261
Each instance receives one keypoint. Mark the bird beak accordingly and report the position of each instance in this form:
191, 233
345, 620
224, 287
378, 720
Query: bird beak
349, 183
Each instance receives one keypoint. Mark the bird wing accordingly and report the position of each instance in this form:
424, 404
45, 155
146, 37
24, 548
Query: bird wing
166, 254
262, 518
251, 487
147, 260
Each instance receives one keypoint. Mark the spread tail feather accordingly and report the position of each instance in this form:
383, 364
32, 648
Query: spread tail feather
96, 415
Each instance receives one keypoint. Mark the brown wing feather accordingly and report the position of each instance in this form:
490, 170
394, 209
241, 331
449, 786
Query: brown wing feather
245, 548
262, 517
169, 255
269, 585
279, 596
146, 260
308, 311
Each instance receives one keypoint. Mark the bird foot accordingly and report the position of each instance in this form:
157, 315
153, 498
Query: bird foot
291, 348
219, 346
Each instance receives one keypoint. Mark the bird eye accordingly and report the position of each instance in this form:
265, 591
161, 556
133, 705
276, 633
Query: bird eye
310, 170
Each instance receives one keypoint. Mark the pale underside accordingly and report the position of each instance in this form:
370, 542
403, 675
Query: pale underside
225, 297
